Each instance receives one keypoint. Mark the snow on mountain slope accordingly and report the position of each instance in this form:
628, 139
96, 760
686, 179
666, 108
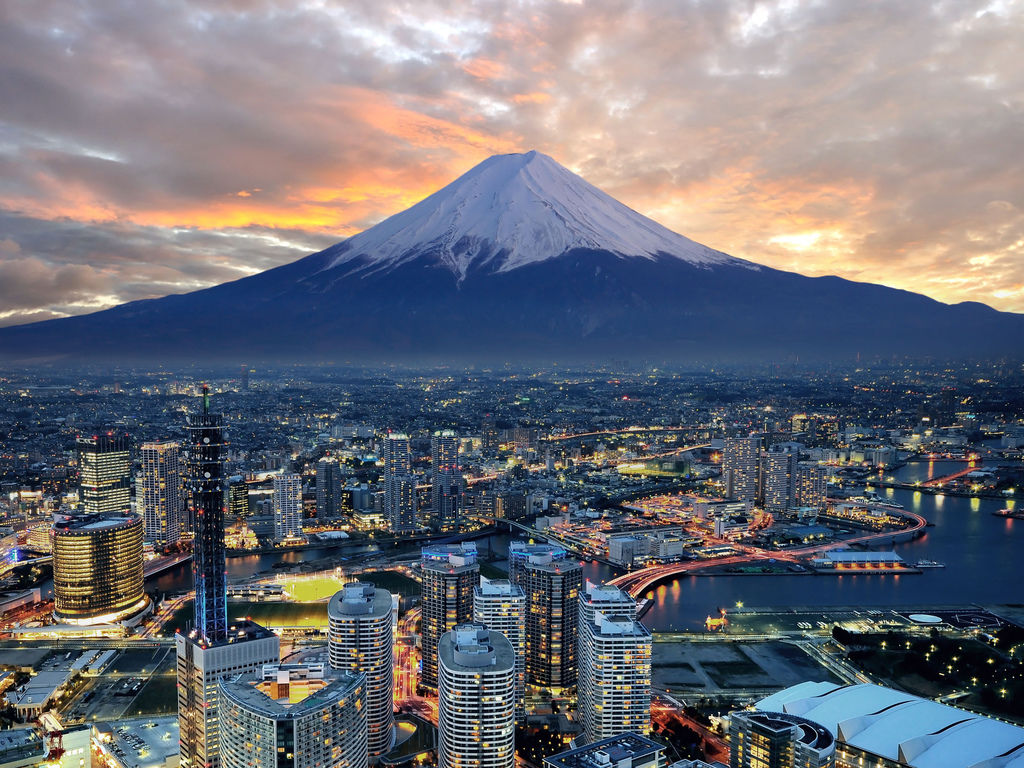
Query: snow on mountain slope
513, 210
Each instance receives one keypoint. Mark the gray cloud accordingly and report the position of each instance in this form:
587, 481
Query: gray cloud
164, 146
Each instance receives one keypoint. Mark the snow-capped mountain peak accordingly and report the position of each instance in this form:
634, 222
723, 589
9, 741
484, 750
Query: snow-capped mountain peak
513, 210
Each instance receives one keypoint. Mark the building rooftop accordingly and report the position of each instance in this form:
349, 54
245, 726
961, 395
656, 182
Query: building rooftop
473, 646
21, 743
622, 751
360, 598
900, 726
449, 554
96, 522
288, 691
498, 588
150, 742
239, 631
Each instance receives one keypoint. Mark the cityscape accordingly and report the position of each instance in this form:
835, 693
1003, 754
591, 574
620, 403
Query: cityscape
511, 384
535, 567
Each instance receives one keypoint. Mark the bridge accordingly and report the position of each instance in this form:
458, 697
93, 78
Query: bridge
638, 582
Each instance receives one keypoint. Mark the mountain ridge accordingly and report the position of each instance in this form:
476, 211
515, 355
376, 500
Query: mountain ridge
516, 260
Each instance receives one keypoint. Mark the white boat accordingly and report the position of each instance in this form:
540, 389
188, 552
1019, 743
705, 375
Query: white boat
929, 564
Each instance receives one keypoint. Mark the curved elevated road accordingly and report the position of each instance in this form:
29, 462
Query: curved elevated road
638, 582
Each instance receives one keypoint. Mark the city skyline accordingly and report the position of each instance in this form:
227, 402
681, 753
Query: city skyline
805, 138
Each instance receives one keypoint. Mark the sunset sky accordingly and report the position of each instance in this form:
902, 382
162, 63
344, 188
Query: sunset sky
156, 147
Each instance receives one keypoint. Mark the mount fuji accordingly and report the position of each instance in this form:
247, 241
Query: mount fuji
519, 259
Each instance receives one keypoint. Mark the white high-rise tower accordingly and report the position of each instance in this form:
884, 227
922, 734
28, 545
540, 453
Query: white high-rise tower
614, 677
287, 506
476, 699
500, 605
399, 484
360, 640
160, 492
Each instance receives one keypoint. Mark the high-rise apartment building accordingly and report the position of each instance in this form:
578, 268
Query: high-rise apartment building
293, 716
104, 473
811, 485
446, 482
476, 699
500, 606
552, 582
97, 568
160, 492
213, 648
740, 467
400, 503
489, 436
449, 574
329, 483
614, 675
779, 480
287, 506
360, 640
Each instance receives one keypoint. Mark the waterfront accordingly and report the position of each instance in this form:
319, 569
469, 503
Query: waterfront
979, 550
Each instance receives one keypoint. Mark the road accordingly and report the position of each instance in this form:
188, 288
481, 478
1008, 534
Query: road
638, 582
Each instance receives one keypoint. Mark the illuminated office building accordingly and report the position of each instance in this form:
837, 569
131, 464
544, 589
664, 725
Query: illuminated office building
740, 467
778, 740
97, 568
104, 473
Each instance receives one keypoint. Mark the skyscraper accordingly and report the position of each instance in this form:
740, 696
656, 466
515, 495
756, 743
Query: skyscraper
360, 640
97, 568
399, 484
446, 480
489, 436
551, 581
238, 499
329, 483
614, 675
160, 493
740, 467
214, 647
293, 716
450, 572
104, 473
475, 702
811, 485
500, 605
287, 506
779, 480
206, 500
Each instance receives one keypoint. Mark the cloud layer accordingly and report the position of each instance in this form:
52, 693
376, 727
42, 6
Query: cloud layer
152, 148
